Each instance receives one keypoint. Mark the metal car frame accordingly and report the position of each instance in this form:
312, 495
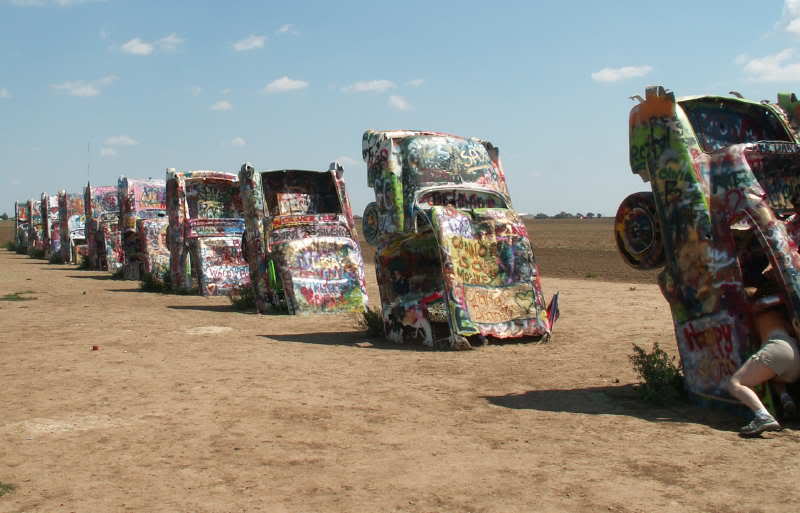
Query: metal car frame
138, 199
51, 226
21, 226
301, 241
35, 228
101, 204
453, 259
72, 215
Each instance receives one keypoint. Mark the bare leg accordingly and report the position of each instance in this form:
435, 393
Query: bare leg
750, 374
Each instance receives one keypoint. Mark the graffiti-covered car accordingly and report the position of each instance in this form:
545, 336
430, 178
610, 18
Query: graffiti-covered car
138, 199
21, 226
35, 228
453, 259
103, 237
154, 252
724, 174
206, 229
301, 241
72, 215
51, 229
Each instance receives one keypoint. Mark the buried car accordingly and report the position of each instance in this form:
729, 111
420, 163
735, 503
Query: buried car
301, 241
206, 229
21, 226
453, 259
103, 239
51, 229
72, 214
35, 228
138, 199
724, 174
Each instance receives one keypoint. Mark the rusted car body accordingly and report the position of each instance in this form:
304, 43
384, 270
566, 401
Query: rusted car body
453, 259
72, 215
206, 231
51, 227
35, 228
22, 223
301, 241
138, 200
103, 236
724, 175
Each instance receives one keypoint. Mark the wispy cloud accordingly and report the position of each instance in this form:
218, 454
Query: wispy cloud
376, 86
226, 92
399, 103
416, 82
222, 105
771, 68
791, 17
196, 90
249, 43
5, 93
347, 161
108, 152
85, 88
120, 140
623, 73
138, 46
238, 142
288, 28
57, 3
285, 84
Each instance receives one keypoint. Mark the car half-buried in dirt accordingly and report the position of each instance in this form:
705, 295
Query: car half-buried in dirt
103, 238
21, 226
206, 228
302, 245
72, 215
35, 228
138, 200
725, 177
453, 259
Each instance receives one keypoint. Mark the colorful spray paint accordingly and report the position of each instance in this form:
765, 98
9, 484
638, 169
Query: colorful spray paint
454, 262
138, 199
301, 241
36, 227
22, 223
103, 238
51, 227
206, 232
72, 216
722, 208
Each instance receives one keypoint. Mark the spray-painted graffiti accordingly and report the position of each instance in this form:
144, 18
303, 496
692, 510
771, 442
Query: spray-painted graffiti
451, 254
101, 203
206, 230
51, 226
154, 250
724, 176
138, 199
36, 227
302, 247
71, 211
21, 226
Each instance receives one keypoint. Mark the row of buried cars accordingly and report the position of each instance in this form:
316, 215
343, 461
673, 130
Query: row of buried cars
454, 264
453, 260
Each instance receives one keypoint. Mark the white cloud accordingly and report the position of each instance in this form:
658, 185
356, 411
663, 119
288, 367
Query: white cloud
169, 43
85, 88
137, 47
399, 103
120, 140
226, 92
249, 43
346, 161
623, 73
377, 86
288, 28
4, 93
284, 84
772, 68
791, 17
222, 105
196, 90
416, 82
238, 142
108, 152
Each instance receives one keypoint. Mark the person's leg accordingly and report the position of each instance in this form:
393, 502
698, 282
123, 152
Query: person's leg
750, 374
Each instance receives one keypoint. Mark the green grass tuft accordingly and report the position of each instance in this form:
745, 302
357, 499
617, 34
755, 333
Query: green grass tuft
371, 321
661, 379
18, 296
6, 488
243, 299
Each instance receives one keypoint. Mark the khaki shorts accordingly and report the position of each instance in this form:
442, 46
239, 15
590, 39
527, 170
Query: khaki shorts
780, 354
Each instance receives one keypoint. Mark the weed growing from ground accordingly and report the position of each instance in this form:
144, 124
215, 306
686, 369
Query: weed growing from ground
37, 253
371, 321
18, 296
10, 246
6, 488
56, 258
150, 283
243, 299
661, 379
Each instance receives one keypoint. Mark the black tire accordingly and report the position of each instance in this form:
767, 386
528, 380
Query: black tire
638, 232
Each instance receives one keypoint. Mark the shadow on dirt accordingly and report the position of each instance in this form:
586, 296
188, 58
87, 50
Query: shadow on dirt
212, 308
616, 400
90, 277
346, 338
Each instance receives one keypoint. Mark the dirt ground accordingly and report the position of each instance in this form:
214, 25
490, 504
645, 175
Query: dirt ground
189, 406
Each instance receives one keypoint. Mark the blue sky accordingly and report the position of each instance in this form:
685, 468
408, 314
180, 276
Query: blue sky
147, 85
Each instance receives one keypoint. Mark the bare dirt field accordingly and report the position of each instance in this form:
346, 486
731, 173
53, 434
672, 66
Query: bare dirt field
189, 406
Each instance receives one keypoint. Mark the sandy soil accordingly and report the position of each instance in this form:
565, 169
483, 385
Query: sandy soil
189, 406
